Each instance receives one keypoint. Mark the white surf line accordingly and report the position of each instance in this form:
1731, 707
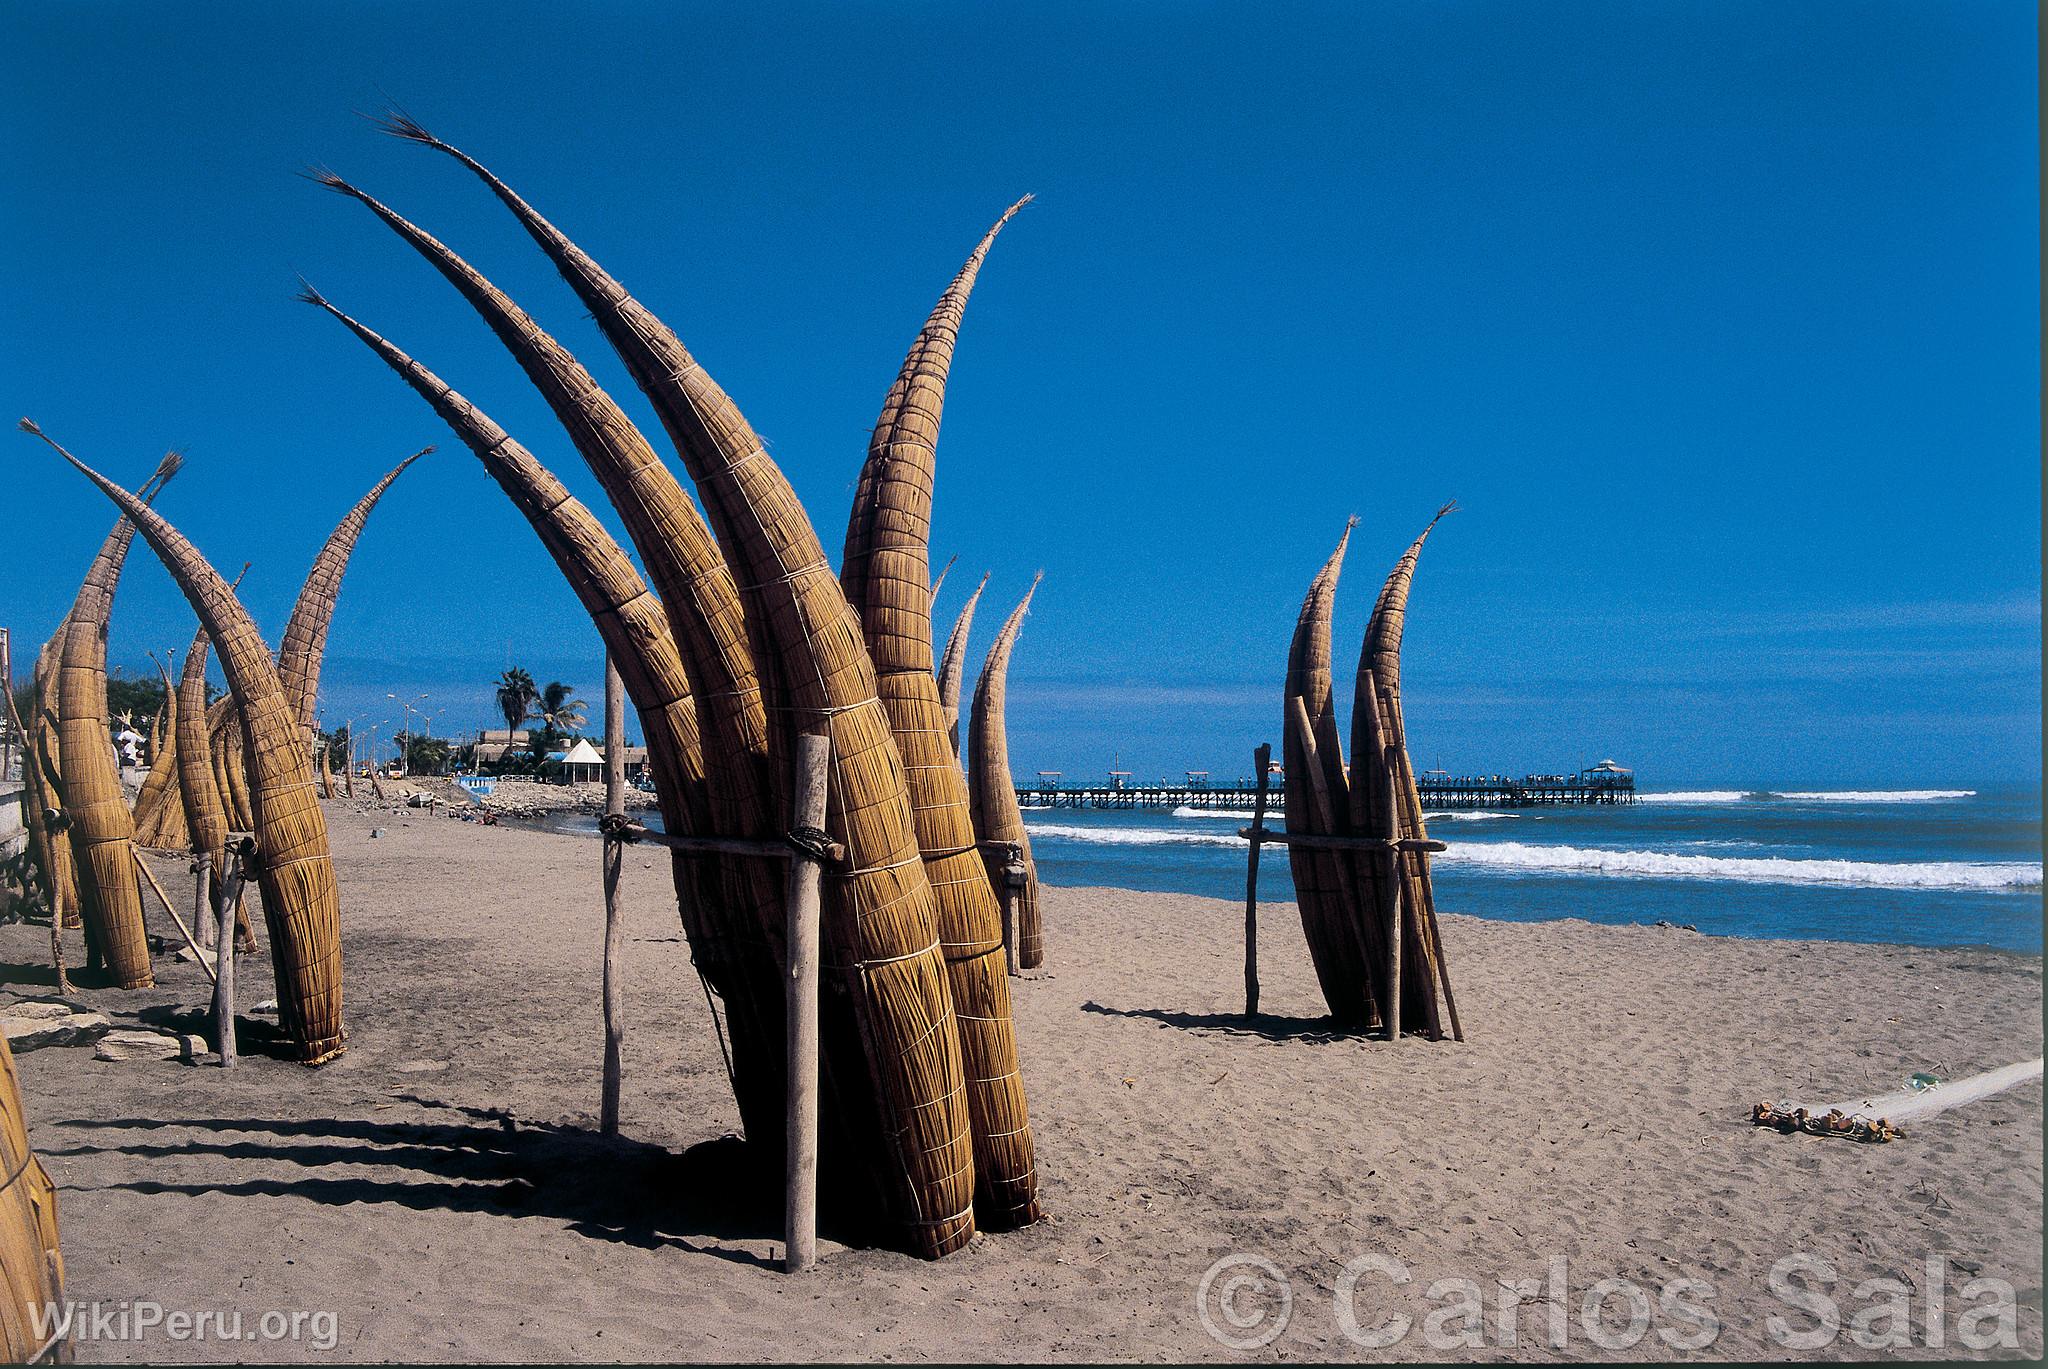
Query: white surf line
1905, 1106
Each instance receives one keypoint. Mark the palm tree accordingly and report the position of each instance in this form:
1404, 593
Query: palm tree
560, 709
516, 695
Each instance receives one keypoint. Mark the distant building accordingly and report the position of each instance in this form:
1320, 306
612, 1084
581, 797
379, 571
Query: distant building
494, 744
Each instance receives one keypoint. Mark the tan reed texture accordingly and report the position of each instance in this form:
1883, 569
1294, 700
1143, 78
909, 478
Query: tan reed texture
102, 829
636, 630
704, 613
206, 817
300, 901
159, 808
1326, 894
953, 665
939, 580
993, 795
229, 746
150, 794
31, 1263
885, 573
880, 924
305, 633
42, 771
1377, 704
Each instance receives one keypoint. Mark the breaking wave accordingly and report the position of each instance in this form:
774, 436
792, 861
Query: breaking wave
1808, 796
1992, 877
1861, 874
1430, 814
1134, 836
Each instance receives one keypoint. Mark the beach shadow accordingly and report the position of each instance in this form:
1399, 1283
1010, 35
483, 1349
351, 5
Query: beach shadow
253, 1035
1316, 1031
619, 1190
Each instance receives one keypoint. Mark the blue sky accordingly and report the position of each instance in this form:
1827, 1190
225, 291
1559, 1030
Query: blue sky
1721, 321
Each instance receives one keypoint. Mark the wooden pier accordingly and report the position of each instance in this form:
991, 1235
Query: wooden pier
1604, 784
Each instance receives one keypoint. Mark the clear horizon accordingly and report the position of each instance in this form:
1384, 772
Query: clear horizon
1722, 325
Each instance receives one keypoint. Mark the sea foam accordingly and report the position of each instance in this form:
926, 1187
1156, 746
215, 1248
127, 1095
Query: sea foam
1523, 858
1861, 874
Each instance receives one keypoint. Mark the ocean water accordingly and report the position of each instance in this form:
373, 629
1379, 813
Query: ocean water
1918, 867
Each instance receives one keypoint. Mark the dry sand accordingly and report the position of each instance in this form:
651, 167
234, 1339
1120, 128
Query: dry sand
441, 1191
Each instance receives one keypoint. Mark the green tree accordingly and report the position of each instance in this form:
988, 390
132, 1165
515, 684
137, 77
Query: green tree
336, 743
516, 696
422, 754
138, 698
560, 709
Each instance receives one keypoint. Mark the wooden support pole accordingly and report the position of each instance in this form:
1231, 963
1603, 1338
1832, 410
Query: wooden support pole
202, 911
614, 924
800, 1113
1262, 760
1016, 877
224, 981
165, 899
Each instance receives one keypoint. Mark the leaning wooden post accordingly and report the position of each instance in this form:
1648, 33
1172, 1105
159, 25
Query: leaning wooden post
614, 863
800, 1112
1261, 758
192, 941
224, 977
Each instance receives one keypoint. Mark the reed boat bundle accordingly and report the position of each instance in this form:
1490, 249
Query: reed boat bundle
159, 808
732, 956
1341, 931
144, 812
199, 780
42, 768
998, 822
101, 829
886, 571
31, 1264
1386, 800
704, 614
228, 744
789, 642
294, 872
1359, 901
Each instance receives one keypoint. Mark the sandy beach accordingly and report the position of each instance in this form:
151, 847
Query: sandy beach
442, 1192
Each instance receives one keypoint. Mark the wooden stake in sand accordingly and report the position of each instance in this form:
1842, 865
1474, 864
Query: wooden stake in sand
806, 874
614, 861
1262, 760
202, 911
224, 981
809, 849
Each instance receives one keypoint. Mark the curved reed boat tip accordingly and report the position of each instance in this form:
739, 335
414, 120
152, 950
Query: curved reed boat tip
304, 645
300, 899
